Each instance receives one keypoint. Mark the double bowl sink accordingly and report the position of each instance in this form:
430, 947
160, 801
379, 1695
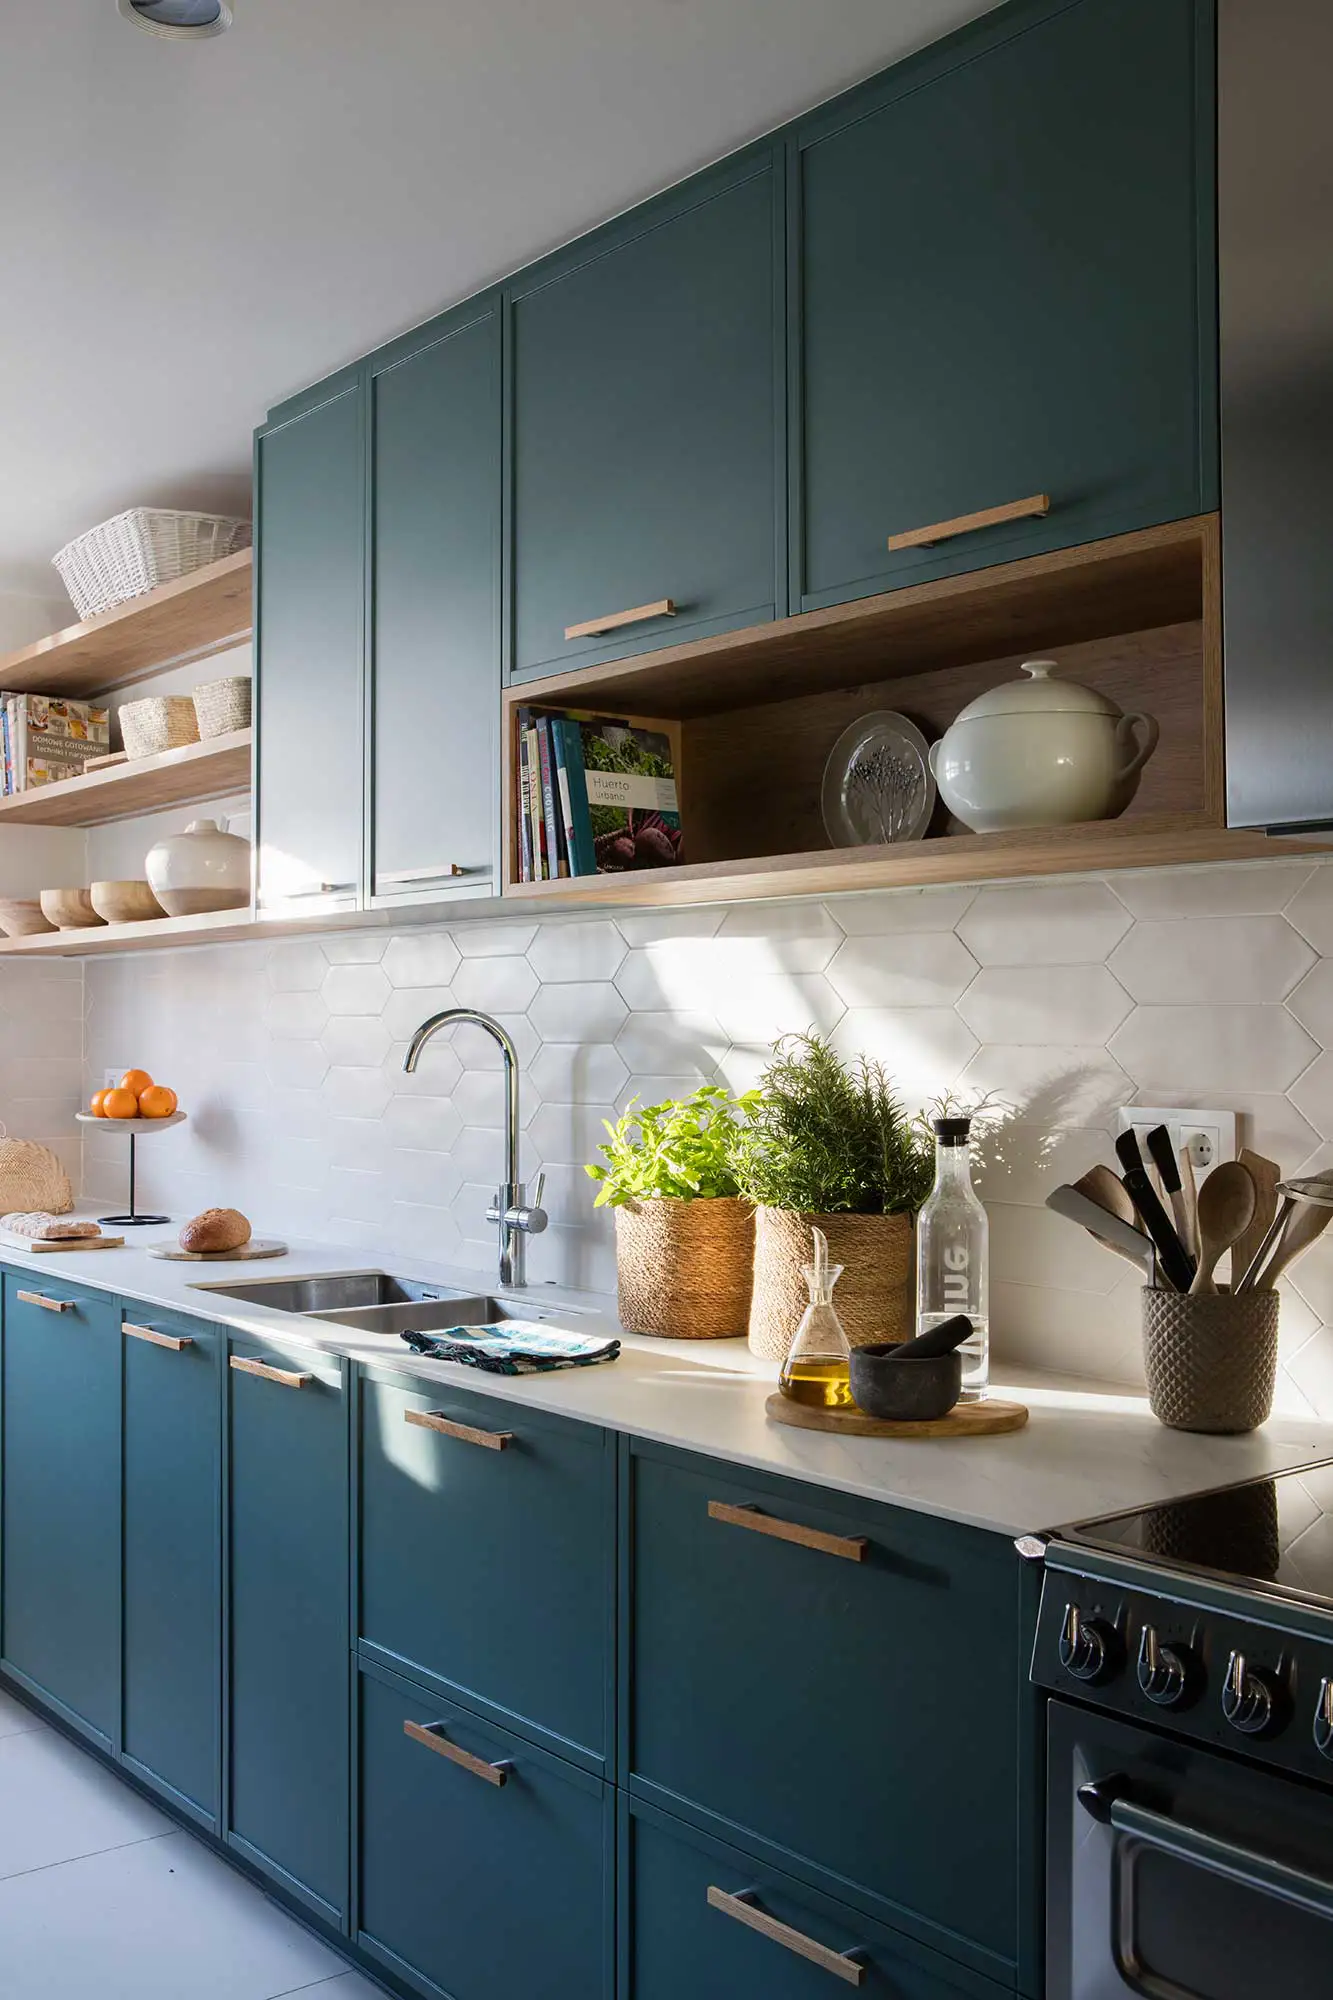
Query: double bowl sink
375, 1302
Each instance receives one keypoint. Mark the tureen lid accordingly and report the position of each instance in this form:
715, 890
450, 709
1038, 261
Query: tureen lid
1039, 695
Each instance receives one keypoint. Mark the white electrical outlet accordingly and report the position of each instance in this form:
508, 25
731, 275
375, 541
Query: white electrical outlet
1210, 1135
111, 1077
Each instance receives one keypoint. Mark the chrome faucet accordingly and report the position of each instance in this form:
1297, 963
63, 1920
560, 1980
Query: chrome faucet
517, 1217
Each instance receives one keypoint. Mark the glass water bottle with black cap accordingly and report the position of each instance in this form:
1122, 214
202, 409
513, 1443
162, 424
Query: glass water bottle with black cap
953, 1253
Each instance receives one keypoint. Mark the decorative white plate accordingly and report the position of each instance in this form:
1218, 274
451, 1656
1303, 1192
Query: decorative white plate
877, 787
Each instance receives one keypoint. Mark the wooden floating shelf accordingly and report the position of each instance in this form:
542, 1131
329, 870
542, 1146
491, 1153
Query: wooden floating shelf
202, 613
217, 769
161, 934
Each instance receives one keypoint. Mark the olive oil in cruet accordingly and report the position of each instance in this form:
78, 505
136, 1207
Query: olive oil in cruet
816, 1368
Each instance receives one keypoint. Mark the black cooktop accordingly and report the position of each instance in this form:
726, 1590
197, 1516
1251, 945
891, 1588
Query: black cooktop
1272, 1534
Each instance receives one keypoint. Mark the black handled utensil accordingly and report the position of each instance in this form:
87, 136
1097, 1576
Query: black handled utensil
938, 1340
1163, 1156
1177, 1265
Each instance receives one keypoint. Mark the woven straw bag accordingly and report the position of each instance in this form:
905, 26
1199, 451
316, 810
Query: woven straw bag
874, 1297
32, 1177
683, 1267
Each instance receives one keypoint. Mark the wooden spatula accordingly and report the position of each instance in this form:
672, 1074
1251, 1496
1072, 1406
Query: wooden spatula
1226, 1210
1304, 1226
1265, 1174
1107, 1189
1189, 1201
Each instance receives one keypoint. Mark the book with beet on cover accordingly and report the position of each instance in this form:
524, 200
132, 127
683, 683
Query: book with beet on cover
633, 808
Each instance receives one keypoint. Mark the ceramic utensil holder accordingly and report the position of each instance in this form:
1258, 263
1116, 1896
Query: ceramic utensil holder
1211, 1360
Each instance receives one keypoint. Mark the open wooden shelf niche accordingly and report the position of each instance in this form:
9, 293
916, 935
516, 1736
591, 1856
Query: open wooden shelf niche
758, 711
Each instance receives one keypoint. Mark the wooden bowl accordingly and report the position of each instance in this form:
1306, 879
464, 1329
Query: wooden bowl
20, 919
70, 909
125, 902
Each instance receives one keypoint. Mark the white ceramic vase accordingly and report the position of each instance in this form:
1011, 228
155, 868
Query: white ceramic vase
204, 868
1040, 752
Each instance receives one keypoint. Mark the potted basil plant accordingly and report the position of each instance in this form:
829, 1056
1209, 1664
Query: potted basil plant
684, 1240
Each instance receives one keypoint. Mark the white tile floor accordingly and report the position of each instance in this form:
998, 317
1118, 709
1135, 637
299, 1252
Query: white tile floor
104, 1898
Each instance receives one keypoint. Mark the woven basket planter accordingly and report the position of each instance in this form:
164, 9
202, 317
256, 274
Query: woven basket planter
31, 1177
158, 722
874, 1297
683, 1267
1211, 1361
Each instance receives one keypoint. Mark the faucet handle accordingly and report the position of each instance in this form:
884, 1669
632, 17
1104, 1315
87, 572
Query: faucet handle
528, 1213
539, 1189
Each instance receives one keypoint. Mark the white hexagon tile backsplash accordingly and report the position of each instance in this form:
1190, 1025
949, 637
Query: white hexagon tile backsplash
1207, 986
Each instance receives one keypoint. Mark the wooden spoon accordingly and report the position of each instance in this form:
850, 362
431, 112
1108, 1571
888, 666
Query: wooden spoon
1226, 1210
1303, 1227
1265, 1174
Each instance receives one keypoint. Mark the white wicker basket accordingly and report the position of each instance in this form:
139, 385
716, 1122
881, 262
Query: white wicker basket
137, 550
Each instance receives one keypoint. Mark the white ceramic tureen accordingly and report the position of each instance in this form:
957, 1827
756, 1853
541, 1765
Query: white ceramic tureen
1040, 752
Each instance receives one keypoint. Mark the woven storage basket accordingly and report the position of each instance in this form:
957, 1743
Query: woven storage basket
32, 1177
221, 706
684, 1267
160, 722
874, 1294
1211, 1361
135, 551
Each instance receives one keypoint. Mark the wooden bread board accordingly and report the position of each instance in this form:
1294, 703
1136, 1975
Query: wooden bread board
258, 1246
990, 1418
58, 1245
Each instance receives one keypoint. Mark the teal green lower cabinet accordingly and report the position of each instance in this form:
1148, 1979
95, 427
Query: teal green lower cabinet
61, 1528
703, 1919
488, 1537
171, 1616
485, 1863
849, 1707
289, 1629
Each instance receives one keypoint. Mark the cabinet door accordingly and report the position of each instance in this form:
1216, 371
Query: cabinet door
690, 1925
290, 1640
1001, 268
470, 1887
435, 452
310, 608
171, 1641
492, 1569
61, 1554
645, 400
909, 1622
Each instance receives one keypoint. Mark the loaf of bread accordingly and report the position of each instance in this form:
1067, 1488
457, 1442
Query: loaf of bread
43, 1227
216, 1229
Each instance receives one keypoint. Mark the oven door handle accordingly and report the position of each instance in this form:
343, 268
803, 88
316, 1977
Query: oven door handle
1109, 1803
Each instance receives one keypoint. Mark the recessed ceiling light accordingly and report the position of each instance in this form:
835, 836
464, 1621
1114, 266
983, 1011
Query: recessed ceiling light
178, 20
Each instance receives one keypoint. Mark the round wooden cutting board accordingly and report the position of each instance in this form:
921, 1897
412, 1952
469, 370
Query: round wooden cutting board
987, 1419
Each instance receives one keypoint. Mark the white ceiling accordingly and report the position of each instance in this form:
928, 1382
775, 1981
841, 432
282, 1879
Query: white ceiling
191, 231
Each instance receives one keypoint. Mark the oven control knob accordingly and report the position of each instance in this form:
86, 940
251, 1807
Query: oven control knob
1089, 1647
1323, 1719
1165, 1673
1252, 1698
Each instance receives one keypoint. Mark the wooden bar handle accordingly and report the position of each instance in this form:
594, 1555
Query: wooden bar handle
287, 1376
967, 524
47, 1305
852, 1548
746, 1912
435, 1420
444, 873
176, 1341
429, 1734
665, 607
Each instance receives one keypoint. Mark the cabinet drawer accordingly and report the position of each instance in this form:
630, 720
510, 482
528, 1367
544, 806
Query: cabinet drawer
851, 1696
705, 1919
471, 1887
491, 1570
171, 1625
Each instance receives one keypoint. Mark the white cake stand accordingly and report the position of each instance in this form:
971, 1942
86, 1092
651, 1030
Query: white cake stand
134, 1126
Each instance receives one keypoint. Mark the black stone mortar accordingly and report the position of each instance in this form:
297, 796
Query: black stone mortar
912, 1390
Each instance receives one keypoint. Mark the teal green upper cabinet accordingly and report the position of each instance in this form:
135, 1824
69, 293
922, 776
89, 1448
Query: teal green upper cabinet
290, 1642
310, 613
171, 1643
61, 1539
435, 607
1005, 287
646, 405
873, 1737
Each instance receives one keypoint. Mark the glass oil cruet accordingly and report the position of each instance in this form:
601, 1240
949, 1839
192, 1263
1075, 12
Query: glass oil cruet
816, 1368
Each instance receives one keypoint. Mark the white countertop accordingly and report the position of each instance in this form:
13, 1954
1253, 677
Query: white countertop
1089, 1448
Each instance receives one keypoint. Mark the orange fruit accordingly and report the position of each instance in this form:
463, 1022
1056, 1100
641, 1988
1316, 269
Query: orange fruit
120, 1103
136, 1080
157, 1101
97, 1104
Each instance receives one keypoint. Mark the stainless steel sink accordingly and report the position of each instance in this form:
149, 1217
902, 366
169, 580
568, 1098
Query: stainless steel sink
375, 1302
